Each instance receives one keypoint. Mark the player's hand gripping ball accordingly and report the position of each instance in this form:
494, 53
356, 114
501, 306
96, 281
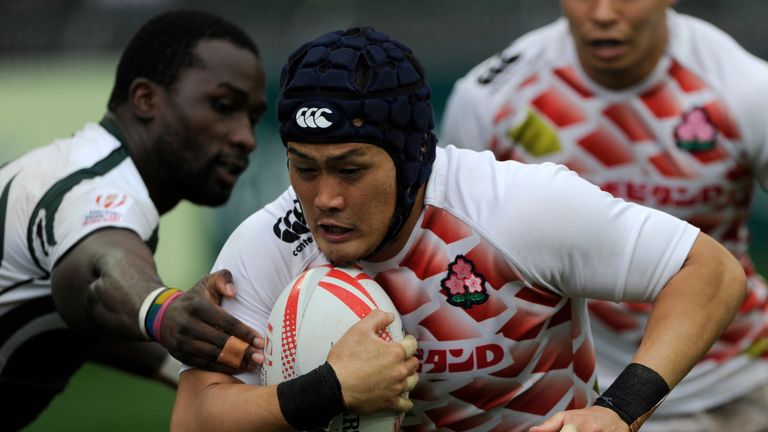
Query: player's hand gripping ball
312, 314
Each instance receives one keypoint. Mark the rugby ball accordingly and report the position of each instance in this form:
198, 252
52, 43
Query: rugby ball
311, 314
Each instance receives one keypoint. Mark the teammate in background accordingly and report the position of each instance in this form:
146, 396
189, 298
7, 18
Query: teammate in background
658, 108
489, 264
80, 218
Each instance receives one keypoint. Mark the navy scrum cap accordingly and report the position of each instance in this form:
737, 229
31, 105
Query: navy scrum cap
359, 85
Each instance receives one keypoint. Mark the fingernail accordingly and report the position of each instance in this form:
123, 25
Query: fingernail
258, 342
258, 358
230, 287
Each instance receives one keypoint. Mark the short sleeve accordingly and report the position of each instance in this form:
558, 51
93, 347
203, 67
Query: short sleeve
117, 199
575, 238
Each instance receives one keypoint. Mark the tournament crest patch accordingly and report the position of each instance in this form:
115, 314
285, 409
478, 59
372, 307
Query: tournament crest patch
107, 207
463, 285
695, 132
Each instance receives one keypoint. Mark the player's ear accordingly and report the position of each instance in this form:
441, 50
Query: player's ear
143, 96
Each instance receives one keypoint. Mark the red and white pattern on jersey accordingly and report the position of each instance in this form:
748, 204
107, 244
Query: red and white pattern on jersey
629, 149
502, 365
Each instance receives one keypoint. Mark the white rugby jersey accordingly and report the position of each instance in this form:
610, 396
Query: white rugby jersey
51, 198
491, 282
689, 140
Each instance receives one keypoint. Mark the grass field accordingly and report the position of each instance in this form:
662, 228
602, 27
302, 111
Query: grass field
102, 399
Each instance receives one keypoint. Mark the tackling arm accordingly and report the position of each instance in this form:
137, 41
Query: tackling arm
100, 284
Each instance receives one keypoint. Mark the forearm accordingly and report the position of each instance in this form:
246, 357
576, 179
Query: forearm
208, 401
114, 298
373, 375
688, 315
692, 311
100, 285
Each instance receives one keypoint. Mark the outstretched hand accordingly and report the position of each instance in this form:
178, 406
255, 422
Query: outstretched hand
195, 328
374, 374
592, 419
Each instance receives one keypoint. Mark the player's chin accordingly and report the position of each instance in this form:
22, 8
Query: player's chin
340, 260
341, 255
212, 196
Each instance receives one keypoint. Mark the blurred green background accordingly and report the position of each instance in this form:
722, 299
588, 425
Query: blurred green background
57, 60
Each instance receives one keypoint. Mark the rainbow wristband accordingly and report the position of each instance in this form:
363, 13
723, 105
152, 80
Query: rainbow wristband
153, 310
145, 308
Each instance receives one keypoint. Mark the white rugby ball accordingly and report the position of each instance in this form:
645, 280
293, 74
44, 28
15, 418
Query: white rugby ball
312, 314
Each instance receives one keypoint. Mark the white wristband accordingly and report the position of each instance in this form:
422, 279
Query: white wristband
145, 308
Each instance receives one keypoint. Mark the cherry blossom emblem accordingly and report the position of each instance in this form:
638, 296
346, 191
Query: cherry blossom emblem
695, 132
463, 285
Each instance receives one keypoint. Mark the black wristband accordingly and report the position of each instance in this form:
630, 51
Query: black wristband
312, 400
637, 390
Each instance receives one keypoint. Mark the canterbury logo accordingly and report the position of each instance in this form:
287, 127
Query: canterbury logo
292, 226
313, 117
